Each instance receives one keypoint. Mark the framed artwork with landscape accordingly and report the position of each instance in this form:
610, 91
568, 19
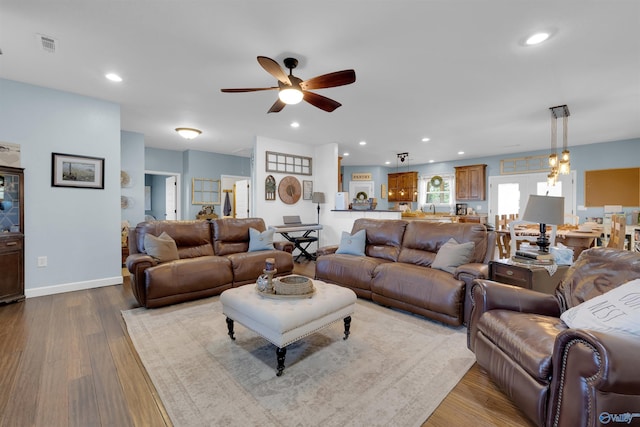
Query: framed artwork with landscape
69, 170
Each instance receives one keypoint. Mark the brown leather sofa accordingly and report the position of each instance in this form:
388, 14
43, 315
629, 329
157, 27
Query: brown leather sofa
559, 376
396, 269
212, 257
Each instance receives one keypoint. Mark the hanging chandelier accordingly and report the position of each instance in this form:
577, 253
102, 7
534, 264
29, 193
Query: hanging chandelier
560, 165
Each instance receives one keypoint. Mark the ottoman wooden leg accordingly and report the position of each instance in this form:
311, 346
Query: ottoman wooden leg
347, 326
230, 328
280, 354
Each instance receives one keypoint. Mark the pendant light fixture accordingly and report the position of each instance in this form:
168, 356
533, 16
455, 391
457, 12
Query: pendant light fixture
562, 165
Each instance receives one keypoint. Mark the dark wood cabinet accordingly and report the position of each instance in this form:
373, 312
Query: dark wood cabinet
11, 234
403, 186
471, 182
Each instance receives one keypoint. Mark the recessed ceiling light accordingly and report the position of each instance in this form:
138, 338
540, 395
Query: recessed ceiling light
537, 39
387, 162
345, 153
113, 77
363, 142
431, 161
295, 125
426, 139
460, 153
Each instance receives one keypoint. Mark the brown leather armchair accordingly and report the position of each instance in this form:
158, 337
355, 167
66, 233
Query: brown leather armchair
556, 375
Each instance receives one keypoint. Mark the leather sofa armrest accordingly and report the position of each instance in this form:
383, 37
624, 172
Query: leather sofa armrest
284, 246
474, 270
468, 273
489, 295
137, 264
589, 363
327, 250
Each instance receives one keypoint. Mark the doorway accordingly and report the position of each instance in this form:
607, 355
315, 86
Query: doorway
165, 195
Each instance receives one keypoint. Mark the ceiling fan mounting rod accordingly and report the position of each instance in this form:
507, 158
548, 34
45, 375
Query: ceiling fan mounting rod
290, 63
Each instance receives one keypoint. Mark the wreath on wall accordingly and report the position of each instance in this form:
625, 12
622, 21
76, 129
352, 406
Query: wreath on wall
361, 196
436, 181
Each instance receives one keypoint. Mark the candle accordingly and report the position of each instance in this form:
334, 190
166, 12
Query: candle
271, 264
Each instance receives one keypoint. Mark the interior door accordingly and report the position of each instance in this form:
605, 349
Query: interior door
171, 209
242, 196
508, 194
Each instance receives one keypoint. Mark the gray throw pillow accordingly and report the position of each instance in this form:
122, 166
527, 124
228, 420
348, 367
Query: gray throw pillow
260, 241
453, 254
162, 248
352, 244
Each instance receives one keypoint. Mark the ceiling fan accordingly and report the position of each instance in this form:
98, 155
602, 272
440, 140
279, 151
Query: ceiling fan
292, 90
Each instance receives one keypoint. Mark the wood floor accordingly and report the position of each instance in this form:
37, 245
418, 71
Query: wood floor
66, 360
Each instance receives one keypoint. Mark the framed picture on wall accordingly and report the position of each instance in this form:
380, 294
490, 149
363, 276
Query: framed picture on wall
307, 190
69, 170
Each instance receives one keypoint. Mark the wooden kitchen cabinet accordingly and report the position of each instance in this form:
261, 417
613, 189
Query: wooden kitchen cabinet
471, 182
11, 234
403, 186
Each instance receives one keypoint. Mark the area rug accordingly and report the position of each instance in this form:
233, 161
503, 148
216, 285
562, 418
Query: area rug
394, 369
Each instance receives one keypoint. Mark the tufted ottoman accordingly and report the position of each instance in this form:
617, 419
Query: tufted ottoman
284, 321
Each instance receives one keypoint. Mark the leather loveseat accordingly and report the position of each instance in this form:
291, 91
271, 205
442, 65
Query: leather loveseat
213, 256
396, 270
557, 375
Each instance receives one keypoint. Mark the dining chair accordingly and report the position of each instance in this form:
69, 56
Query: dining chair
502, 240
519, 235
618, 232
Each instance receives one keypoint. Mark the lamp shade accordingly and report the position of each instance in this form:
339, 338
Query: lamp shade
317, 197
544, 210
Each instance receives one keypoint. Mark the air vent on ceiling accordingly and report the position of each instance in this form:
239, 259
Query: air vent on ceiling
47, 43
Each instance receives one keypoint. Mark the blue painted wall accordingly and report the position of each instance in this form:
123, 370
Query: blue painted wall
78, 230
606, 155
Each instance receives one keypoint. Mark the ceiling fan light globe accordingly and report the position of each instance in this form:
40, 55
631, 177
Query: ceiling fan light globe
290, 96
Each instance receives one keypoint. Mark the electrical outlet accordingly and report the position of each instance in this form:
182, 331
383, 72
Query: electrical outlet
42, 261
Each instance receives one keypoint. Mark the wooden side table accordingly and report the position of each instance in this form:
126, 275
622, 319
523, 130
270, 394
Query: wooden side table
526, 276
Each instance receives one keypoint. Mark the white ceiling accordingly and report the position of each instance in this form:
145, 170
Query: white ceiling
455, 71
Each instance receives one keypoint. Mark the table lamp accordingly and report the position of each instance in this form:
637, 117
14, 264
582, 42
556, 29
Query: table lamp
318, 198
544, 210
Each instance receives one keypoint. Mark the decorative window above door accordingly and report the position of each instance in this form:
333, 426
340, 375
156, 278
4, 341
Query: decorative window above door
288, 163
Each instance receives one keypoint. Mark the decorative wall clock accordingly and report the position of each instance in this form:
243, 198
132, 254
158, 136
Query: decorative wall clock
289, 190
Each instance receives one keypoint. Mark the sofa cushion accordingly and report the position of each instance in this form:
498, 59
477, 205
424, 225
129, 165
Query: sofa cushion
193, 238
231, 235
248, 266
355, 272
453, 254
525, 338
617, 310
161, 248
260, 241
423, 240
596, 271
352, 244
427, 289
384, 236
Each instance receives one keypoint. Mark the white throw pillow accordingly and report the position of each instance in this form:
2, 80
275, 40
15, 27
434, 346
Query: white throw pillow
615, 311
453, 254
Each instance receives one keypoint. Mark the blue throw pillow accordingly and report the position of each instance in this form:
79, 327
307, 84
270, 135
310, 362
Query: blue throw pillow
352, 245
260, 241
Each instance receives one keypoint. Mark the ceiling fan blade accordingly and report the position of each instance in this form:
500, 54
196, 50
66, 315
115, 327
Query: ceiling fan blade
322, 102
277, 106
250, 89
274, 69
339, 78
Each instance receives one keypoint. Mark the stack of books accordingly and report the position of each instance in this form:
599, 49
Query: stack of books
533, 257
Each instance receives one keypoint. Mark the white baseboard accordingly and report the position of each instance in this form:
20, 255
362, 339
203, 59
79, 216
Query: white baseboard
70, 287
